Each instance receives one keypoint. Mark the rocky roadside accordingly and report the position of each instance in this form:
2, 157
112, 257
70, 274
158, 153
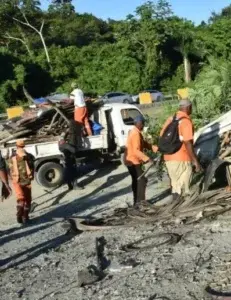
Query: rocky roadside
41, 262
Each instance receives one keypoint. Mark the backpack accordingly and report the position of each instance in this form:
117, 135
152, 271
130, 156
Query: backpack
169, 142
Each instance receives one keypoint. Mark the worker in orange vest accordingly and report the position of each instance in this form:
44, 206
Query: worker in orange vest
81, 113
180, 162
21, 172
135, 157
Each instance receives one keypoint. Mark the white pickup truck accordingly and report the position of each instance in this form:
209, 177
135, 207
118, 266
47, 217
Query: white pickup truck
116, 120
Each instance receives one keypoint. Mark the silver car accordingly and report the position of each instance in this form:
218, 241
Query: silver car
156, 96
117, 97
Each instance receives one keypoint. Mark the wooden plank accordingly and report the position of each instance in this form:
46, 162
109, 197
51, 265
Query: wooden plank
59, 111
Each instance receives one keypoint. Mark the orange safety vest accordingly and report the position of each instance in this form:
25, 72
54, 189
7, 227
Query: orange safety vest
15, 172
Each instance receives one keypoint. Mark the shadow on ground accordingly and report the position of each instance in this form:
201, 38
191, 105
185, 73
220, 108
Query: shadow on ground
23, 233
104, 169
33, 252
78, 206
95, 198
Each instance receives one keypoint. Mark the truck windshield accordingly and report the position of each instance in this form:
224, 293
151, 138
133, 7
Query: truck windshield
128, 115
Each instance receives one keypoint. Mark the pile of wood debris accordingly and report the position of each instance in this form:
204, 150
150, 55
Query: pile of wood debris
43, 122
191, 210
225, 145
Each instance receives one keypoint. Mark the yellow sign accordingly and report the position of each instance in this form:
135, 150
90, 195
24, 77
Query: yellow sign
145, 98
15, 111
183, 93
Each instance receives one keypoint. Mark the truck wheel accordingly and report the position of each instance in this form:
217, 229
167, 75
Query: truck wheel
50, 175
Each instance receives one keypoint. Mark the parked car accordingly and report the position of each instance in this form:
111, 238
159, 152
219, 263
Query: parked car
117, 97
156, 96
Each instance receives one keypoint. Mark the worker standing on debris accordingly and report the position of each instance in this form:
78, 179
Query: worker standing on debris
81, 113
176, 143
21, 172
134, 159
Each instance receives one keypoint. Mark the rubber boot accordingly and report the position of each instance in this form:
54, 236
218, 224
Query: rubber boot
175, 196
26, 218
77, 186
137, 205
20, 211
70, 186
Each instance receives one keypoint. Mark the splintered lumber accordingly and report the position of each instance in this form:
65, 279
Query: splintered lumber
225, 153
27, 95
209, 204
53, 120
59, 111
225, 146
16, 135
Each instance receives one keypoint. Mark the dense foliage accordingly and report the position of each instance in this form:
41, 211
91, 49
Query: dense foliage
152, 48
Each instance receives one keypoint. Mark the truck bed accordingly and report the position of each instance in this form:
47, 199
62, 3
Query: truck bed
48, 148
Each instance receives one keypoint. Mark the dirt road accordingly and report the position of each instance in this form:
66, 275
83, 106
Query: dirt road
41, 262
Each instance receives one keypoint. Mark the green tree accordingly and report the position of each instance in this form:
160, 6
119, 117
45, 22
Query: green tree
225, 13
188, 44
29, 6
145, 33
211, 90
63, 7
217, 38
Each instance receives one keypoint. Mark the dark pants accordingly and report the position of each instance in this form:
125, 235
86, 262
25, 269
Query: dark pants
70, 172
23, 194
138, 186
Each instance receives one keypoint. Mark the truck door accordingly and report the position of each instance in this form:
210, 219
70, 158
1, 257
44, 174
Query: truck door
127, 122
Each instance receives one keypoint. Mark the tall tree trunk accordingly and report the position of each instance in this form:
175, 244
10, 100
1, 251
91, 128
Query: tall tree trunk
187, 69
38, 31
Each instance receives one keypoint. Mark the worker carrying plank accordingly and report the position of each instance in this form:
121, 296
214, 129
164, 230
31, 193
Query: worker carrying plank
176, 143
22, 173
134, 158
81, 113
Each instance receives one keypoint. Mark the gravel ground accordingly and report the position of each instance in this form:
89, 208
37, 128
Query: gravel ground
41, 262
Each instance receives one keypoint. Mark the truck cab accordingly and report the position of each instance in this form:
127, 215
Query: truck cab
116, 119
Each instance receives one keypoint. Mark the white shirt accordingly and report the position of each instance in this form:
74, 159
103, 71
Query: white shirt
78, 97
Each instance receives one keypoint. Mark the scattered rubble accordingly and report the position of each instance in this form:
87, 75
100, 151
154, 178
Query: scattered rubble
166, 251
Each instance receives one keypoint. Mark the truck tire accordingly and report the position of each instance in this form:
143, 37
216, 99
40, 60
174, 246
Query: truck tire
50, 175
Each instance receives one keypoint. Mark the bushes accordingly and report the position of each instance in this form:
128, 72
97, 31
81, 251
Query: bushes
155, 125
211, 91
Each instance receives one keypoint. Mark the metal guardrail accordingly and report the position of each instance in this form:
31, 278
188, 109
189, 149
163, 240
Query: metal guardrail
157, 104
3, 116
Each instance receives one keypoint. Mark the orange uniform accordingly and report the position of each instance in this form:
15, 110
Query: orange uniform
81, 116
179, 164
21, 176
134, 157
186, 132
135, 146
